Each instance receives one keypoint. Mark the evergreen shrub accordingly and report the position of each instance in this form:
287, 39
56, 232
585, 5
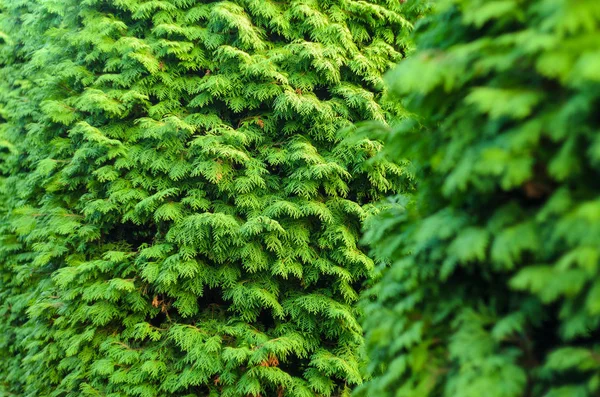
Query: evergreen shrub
180, 214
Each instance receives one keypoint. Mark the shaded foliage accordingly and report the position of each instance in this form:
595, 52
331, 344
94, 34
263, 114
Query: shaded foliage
494, 283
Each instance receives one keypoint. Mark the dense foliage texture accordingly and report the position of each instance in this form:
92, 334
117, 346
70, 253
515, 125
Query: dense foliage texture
180, 215
494, 287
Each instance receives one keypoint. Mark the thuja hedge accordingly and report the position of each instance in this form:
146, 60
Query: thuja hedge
494, 284
180, 212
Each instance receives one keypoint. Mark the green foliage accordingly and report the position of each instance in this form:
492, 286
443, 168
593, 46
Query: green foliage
180, 213
493, 286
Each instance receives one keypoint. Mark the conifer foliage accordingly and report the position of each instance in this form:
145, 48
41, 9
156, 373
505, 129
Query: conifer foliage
180, 215
494, 287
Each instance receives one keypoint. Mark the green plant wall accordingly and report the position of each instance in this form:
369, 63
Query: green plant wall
180, 213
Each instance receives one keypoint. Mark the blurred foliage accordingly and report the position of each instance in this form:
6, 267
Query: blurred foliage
494, 284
